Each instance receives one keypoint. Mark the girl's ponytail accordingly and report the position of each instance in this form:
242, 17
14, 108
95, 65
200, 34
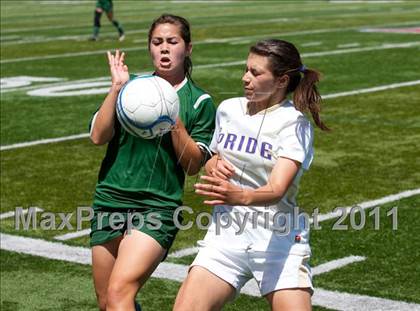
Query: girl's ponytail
306, 97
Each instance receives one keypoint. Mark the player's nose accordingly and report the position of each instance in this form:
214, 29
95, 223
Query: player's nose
245, 78
164, 48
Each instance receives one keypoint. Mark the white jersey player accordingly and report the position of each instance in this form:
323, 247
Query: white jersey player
262, 145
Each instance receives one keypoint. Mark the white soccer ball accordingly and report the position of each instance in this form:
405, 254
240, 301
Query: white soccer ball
147, 106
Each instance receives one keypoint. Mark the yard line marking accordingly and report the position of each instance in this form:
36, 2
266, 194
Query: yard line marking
365, 49
72, 235
365, 1
177, 272
348, 45
314, 43
43, 141
12, 213
47, 89
353, 302
64, 55
221, 40
336, 264
206, 41
335, 95
36, 86
369, 204
372, 89
184, 252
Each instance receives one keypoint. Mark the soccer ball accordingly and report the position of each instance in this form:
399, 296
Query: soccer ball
147, 106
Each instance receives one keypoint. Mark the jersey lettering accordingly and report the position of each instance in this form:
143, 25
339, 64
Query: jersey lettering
230, 141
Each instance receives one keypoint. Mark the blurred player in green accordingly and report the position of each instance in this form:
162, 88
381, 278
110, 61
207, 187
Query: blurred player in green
101, 6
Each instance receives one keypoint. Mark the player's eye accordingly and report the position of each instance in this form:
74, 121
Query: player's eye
254, 72
156, 41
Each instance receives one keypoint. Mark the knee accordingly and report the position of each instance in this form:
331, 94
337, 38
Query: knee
118, 293
115, 293
183, 302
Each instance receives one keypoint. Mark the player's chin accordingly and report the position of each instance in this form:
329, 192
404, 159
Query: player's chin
248, 94
164, 67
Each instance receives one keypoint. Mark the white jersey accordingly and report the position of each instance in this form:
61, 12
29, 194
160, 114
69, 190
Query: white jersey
252, 144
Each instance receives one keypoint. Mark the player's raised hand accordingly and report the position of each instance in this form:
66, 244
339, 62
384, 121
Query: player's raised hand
119, 70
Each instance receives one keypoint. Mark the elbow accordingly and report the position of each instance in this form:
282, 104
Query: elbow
191, 171
278, 194
193, 168
96, 140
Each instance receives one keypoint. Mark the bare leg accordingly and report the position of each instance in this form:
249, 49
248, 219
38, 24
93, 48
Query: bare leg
202, 291
293, 299
138, 256
103, 259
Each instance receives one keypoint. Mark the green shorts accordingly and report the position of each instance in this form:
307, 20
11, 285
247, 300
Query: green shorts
105, 5
110, 223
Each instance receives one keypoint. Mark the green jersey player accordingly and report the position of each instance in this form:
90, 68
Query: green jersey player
107, 7
140, 181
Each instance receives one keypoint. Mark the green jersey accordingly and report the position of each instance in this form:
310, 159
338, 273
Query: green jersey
139, 172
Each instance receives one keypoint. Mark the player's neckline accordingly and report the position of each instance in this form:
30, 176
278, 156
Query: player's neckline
267, 110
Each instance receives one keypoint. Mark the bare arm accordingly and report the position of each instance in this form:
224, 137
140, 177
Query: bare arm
186, 149
223, 192
103, 126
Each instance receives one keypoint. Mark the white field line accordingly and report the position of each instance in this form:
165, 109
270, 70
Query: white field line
177, 272
218, 65
336, 264
206, 41
242, 62
17, 30
312, 43
13, 213
348, 45
364, 49
366, 1
334, 95
36, 86
72, 235
220, 40
42, 39
64, 55
372, 89
184, 252
43, 141
369, 204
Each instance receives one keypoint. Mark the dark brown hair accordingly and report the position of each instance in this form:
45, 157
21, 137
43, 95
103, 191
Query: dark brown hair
184, 27
284, 59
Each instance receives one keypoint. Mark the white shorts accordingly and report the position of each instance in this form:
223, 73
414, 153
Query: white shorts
272, 271
276, 261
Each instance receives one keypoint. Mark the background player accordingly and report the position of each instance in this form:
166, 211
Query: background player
107, 6
145, 176
263, 143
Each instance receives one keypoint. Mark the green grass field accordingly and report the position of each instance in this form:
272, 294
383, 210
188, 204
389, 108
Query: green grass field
370, 154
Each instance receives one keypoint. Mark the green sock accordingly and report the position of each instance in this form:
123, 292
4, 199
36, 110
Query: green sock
95, 31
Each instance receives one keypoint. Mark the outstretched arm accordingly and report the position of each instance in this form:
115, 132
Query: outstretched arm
102, 128
223, 192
